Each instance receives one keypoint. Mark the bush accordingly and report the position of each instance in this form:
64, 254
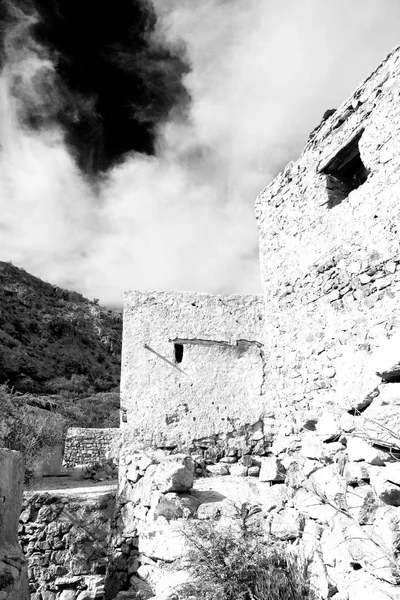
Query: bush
25, 429
238, 563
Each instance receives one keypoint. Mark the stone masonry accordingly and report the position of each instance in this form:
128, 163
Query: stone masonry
329, 247
192, 368
90, 446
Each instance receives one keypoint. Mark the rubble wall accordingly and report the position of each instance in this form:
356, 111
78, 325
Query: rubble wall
330, 258
66, 544
212, 392
13, 570
90, 446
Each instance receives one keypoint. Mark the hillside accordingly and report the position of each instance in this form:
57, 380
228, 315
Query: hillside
53, 341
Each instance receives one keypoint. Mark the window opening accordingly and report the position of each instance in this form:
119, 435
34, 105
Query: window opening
344, 172
178, 348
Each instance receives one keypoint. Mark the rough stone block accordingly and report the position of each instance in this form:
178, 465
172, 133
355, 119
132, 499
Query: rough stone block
272, 496
271, 469
360, 450
387, 492
328, 426
175, 475
287, 524
238, 470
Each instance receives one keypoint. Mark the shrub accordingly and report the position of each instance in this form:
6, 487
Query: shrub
237, 562
25, 429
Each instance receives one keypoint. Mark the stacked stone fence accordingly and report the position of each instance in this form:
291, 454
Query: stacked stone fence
91, 446
66, 544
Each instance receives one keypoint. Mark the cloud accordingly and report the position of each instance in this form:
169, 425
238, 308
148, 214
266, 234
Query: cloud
262, 75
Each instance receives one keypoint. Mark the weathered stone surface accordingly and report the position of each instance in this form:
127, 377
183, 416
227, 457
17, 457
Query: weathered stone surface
66, 542
356, 472
327, 426
175, 475
217, 380
391, 472
381, 424
387, 492
271, 469
312, 505
84, 446
218, 469
272, 496
329, 485
359, 449
386, 529
361, 504
238, 470
287, 524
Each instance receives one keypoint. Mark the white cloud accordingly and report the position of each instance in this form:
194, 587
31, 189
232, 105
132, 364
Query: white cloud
263, 73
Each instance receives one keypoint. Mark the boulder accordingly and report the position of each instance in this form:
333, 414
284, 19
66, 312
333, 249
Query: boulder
311, 505
174, 474
328, 426
361, 504
168, 585
272, 496
386, 529
360, 450
392, 473
329, 485
218, 469
386, 359
271, 469
381, 424
356, 472
387, 492
238, 470
287, 524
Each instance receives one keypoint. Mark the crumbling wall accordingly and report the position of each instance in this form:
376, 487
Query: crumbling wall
192, 368
13, 572
66, 543
330, 257
90, 446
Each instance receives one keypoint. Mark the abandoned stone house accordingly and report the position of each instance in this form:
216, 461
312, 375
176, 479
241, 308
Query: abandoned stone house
329, 249
192, 366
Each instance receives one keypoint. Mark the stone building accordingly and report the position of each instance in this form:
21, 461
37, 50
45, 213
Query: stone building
192, 367
329, 247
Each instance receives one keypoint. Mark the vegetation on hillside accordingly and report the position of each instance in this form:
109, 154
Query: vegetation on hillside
58, 345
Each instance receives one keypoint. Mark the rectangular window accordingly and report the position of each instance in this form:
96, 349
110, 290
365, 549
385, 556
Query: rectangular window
178, 349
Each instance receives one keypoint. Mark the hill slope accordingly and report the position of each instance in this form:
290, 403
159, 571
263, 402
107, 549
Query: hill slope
53, 340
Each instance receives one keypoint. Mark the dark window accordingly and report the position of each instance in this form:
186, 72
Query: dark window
178, 352
344, 172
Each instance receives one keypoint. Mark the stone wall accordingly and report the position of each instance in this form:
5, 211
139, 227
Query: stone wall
90, 446
330, 253
66, 543
330, 491
13, 572
192, 368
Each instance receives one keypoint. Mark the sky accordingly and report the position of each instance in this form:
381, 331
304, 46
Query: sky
154, 187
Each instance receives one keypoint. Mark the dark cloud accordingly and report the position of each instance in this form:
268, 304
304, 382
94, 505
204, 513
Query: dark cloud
110, 80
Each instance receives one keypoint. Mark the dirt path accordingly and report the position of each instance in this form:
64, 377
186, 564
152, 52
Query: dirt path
66, 486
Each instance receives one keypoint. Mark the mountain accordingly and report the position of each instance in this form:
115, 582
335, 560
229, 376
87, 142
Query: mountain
53, 341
